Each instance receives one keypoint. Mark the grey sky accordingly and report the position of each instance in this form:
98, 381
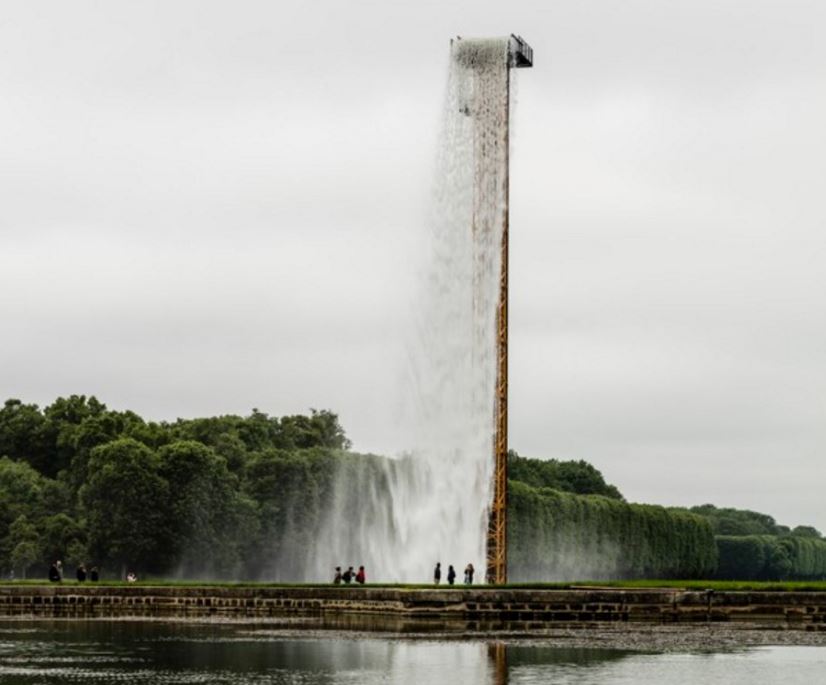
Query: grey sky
206, 207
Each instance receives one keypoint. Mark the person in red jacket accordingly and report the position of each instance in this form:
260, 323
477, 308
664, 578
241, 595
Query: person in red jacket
360, 577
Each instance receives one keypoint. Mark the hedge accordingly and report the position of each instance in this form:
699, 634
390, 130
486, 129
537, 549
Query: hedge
561, 536
771, 557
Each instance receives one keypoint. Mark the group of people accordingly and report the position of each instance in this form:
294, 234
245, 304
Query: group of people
56, 573
349, 576
451, 574
360, 577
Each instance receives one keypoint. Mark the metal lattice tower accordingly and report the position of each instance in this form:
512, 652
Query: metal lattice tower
520, 55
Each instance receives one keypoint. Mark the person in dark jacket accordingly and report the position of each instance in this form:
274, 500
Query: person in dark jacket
337, 577
94, 575
469, 574
451, 575
80, 574
347, 577
437, 573
54, 574
361, 576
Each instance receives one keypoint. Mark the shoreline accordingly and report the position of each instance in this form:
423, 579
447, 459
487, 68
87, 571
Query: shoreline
527, 609
630, 637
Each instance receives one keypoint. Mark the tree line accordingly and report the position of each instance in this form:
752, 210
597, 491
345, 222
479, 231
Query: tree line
245, 497
199, 497
557, 535
771, 557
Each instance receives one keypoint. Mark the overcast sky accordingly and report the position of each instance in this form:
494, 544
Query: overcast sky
211, 206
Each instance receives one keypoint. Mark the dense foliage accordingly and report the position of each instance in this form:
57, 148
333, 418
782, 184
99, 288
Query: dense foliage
578, 477
753, 546
558, 535
246, 497
771, 557
740, 521
199, 497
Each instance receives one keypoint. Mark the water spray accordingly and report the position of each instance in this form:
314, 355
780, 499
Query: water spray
446, 501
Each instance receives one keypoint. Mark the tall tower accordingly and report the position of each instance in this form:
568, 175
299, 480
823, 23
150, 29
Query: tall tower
520, 55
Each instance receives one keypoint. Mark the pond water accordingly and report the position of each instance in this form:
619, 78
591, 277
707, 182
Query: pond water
100, 652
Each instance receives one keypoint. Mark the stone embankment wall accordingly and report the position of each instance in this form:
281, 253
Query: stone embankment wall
511, 605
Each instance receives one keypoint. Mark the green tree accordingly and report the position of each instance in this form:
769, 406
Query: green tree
62, 538
204, 510
22, 485
21, 495
24, 555
23, 541
290, 488
126, 503
63, 419
320, 429
22, 433
578, 477
727, 521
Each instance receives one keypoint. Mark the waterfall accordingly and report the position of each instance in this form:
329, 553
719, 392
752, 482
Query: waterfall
433, 504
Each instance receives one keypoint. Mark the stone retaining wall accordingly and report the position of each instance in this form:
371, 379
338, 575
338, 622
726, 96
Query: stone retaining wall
527, 606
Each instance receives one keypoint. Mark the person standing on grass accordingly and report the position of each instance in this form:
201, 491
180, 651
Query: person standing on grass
437, 573
451, 575
469, 574
360, 576
54, 574
337, 577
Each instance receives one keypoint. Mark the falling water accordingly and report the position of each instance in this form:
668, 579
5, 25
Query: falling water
433, 504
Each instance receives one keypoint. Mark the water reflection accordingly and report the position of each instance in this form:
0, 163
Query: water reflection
498, 660
765, 665
108, 652
504, 659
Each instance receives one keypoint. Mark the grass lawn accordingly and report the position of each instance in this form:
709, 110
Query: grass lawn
719, 585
